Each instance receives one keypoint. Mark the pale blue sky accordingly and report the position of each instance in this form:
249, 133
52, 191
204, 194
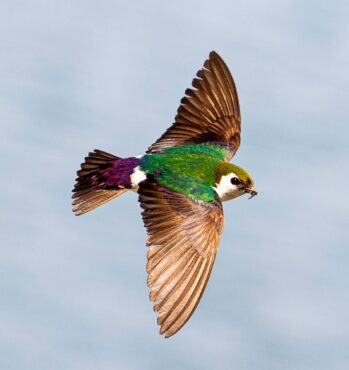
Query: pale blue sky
80, 75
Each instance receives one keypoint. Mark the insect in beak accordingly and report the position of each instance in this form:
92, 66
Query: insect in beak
251, 191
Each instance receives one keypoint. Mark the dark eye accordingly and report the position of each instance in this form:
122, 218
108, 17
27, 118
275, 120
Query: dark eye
235, 181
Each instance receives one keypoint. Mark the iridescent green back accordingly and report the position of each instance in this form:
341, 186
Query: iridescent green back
189, 170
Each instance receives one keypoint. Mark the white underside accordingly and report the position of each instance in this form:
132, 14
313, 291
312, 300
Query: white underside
136, 177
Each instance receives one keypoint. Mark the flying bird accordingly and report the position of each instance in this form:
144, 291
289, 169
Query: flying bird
181, 182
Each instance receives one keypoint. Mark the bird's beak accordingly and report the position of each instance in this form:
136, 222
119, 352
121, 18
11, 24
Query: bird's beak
251, 191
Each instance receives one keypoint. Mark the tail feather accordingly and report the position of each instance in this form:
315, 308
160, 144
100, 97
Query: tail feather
87, 192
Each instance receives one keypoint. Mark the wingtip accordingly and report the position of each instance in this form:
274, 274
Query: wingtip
213, 54
214, 58
166, 333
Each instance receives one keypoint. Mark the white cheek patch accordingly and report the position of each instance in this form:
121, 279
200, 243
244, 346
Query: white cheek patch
226, 190
137, 176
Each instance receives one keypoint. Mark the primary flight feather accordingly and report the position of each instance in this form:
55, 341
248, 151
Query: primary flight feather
181, 181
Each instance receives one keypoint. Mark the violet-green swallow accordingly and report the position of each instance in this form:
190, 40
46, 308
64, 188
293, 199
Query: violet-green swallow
181, 181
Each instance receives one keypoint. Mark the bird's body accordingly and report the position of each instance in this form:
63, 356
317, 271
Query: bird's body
189, 170
181, 182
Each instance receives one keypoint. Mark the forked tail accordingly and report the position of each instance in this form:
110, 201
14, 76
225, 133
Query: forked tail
102, 177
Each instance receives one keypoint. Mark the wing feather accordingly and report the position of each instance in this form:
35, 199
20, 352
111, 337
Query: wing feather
209, 112
183, 238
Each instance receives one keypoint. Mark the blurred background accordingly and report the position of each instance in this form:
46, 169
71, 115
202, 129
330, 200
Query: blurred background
80, 75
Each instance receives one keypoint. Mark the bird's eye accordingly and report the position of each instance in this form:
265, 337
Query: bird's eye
235, 181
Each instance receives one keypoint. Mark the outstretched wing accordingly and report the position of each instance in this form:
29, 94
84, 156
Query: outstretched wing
183, 238
209, 113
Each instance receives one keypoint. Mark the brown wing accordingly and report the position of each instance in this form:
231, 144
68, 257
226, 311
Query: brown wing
183, 238
209, 113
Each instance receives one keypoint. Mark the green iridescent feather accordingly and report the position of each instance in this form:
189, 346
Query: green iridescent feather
189, 170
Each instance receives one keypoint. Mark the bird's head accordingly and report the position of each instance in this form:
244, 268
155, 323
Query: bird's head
232, 181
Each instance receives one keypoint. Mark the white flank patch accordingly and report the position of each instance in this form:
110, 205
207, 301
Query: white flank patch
226, 190
137, 176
